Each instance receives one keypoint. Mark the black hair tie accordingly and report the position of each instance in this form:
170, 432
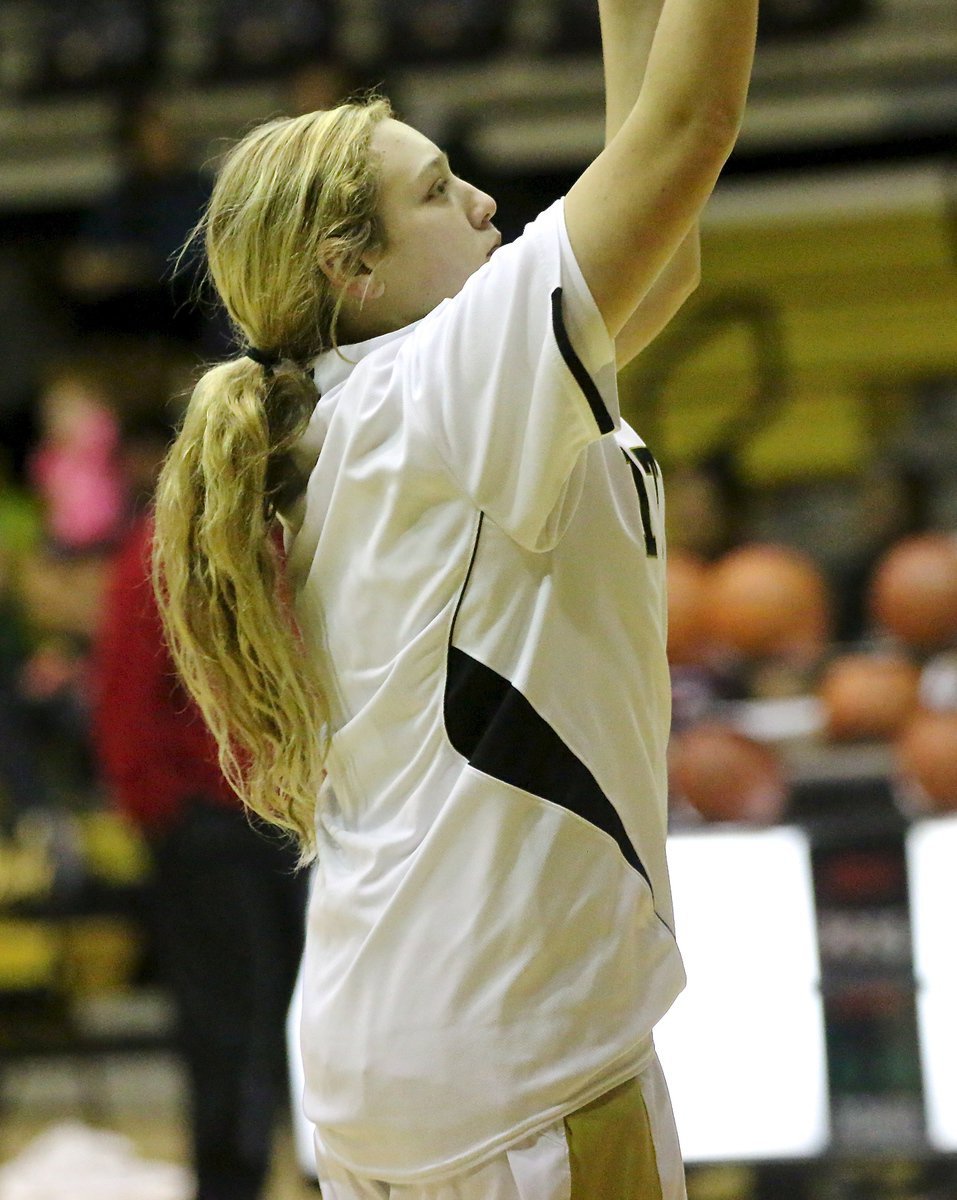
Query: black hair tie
268, 361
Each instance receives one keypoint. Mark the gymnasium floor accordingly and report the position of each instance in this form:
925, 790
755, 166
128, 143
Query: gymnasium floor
139, 1096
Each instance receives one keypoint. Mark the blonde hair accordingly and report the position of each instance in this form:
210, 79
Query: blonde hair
293, 194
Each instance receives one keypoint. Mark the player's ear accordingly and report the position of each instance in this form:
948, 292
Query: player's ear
361, 285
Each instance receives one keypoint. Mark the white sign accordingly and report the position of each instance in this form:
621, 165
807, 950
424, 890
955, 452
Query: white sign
743, 1047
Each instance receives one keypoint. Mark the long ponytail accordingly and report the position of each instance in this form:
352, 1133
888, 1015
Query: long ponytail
217, 574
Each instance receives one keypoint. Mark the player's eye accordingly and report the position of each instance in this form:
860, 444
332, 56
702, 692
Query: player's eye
440, 188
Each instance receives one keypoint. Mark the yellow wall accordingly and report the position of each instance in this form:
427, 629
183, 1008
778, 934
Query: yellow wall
866, 304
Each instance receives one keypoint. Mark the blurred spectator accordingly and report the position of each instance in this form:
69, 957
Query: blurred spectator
75, 466
77, 481
87, 484
122, 272
227, 905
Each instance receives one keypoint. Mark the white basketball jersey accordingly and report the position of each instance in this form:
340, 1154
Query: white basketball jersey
480, 573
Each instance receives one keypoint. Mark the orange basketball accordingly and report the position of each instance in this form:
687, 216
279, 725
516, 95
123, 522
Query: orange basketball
727, 776
868, 696
927, 756
913, 591
687, 598
768, 601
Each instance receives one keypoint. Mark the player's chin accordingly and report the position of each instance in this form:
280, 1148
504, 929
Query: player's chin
480, 263
454, 289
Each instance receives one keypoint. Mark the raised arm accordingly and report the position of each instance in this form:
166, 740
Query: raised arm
639, 200
627, 33
628, 30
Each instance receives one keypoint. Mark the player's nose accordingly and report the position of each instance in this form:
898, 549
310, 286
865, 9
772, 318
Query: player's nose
482, 208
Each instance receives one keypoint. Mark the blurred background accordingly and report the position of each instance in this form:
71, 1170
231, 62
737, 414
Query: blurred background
803, 408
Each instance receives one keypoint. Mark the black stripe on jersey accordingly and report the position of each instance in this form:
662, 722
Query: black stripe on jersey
577, 367
647, 525
491, 723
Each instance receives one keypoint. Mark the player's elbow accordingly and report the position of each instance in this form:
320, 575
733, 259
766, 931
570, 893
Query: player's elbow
709, 134
719, 122
705, 126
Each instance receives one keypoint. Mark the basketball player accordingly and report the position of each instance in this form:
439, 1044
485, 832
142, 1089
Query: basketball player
467, 725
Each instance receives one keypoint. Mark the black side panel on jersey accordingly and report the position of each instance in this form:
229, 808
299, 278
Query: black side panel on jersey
577, 367
491, 723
